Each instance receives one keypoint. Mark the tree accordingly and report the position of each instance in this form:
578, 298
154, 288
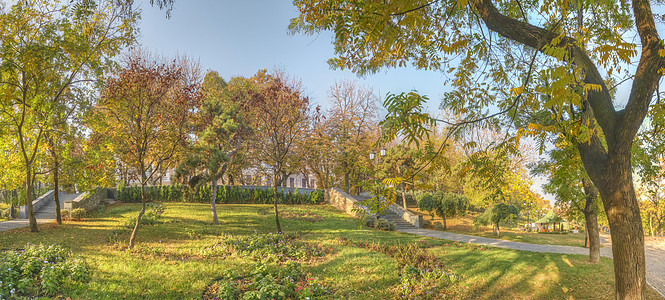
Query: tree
51, 50
494, 215
280, 109
450, 205
221, 129
145, 112
353, 109
577, 40
571, 186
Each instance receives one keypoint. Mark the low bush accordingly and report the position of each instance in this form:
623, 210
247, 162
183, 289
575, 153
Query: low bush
378, 223
369, 221
40, 271
300, 216
150, 217
422, 275
289, 282
385, 225
64, 214
270, 247
78, 213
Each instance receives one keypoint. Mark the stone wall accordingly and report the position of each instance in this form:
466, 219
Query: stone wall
342, 201
413, 219
88, 200
36, 204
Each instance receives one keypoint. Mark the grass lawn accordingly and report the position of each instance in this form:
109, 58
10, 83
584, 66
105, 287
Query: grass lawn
510, 232
176, 259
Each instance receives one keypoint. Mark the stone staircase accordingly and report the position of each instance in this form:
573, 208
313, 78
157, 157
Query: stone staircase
400, 223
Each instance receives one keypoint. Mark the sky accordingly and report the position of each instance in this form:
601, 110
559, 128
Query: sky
237, 38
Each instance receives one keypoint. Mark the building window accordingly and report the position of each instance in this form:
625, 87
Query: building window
311, 183
292, 182
304, 183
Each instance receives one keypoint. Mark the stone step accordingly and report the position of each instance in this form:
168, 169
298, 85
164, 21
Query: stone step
399, 222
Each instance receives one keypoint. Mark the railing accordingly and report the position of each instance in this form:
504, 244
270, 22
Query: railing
36, 204
413, 219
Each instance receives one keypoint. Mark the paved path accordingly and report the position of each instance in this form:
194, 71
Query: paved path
654, 251
44, 215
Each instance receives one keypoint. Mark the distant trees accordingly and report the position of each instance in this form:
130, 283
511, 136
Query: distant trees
444, 204
495, 214
145, 114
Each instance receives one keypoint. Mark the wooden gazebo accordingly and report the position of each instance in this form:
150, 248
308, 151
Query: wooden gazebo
550, 219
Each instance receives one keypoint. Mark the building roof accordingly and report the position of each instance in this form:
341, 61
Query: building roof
551, 217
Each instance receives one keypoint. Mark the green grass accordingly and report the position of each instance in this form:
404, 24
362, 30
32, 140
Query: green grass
172, 260
510, 232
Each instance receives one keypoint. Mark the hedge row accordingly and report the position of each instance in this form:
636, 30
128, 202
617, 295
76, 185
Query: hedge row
225, 194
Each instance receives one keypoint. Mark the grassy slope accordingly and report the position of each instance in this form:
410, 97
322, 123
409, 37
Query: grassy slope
170, 259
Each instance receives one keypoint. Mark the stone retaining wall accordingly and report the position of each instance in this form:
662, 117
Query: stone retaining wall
342, 201
88, 201
407, 216
36, 204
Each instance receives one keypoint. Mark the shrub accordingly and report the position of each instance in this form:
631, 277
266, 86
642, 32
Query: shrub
151, 216
426, 203
370, 221
270, 247
290, 282
40, 271
385, 225
64, 213
78, 213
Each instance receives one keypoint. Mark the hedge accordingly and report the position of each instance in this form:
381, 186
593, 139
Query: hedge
225, 194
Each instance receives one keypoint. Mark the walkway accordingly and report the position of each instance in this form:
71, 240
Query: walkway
654, 251
44, 215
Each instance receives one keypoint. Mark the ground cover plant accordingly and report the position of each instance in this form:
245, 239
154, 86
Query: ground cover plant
40, 270
183, 251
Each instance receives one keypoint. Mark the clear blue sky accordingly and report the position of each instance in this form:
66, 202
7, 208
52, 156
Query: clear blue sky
237, 38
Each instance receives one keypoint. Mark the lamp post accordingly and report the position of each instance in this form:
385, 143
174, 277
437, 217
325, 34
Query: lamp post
372, 156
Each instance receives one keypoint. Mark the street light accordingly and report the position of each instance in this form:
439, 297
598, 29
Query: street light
372, 156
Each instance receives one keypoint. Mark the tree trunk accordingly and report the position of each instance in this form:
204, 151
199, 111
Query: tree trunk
444, 222
56, 190
274, 193
591, 219
213, 199
28, 200
346, 182
132, 239
497, 230
623, 213
404, 198
650, 224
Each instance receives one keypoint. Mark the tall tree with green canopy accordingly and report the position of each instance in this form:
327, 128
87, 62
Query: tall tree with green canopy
571, 186
496, 214
485, 44
222, 129
49, 50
